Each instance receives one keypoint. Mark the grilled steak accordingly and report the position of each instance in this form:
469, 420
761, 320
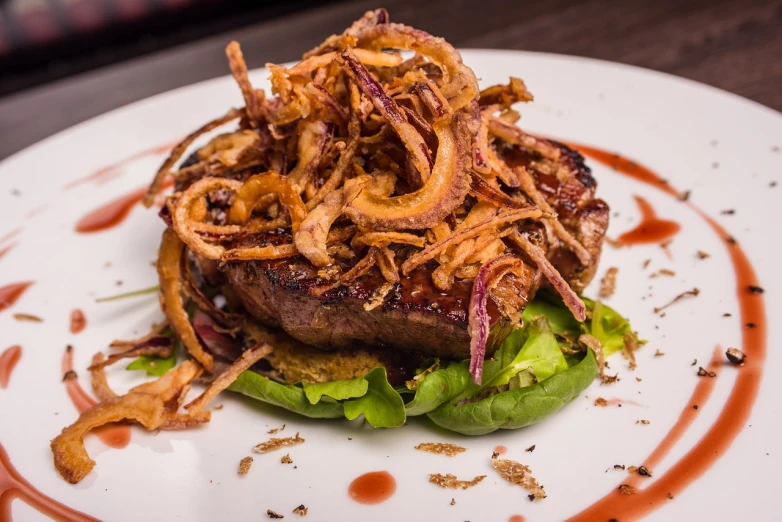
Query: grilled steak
415, 315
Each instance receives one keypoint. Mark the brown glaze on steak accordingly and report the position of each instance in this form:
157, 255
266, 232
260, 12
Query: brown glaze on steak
569, 188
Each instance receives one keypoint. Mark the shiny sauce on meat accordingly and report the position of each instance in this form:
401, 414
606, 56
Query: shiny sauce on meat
372, 488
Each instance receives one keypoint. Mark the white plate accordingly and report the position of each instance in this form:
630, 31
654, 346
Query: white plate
723, 148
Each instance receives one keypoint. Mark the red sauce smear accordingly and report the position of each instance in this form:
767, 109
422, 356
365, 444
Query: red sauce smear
11, 234
113, 435
651, 229
516, 518
737, 407
4, 251
13, 485
109, 172
37, 210
372, 488
10, 293
78, 321
110, 214
8, 360
500, 450
113, 213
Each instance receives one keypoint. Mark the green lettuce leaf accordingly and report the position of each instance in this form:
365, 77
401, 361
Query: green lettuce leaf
156, 366
518, 407
608, 327
288, 396
438, 387
533, 347
337, 390
381, 406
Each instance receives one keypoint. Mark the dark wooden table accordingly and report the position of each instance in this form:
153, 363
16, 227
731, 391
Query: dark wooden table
732, 44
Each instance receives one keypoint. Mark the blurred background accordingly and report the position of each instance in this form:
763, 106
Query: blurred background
64, 61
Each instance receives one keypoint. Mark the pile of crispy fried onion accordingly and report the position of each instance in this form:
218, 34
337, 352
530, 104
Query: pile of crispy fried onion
361, 153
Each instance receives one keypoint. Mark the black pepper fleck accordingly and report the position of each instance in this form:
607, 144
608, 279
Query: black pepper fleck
530, 449
755, 289
731, 240
728, 212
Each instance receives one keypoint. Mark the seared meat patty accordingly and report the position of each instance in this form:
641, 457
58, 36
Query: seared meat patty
415, 315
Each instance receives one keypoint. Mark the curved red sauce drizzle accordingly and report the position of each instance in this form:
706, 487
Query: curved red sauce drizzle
735, 411
372, 488
8, 360
651, 229
113, 435
13, 485
10, 293
78, 321
109, 172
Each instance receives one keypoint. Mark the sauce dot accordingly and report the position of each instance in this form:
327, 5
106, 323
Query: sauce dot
500, 450
372, 488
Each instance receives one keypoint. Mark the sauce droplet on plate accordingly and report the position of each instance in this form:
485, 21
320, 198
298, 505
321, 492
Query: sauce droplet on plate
78, 321
113, 435
10, 293
500, 450
372, 488
651, 229
8, 360
516, 518
13, 485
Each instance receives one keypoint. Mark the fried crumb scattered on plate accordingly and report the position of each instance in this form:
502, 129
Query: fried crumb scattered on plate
700, 254
453, 501
276, 430
275, 443
694, 292
643, 421
301, 510
273, 514
520, 475
244, 465
28, 318
735, 356
441, 448
608, 283
626, 489
601, 402
450, 481
286, 459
